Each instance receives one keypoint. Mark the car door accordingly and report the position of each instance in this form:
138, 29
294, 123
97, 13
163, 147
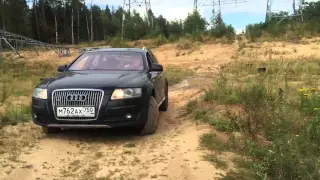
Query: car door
162, 77
155, 78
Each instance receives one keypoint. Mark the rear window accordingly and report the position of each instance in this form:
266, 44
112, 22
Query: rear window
125, 61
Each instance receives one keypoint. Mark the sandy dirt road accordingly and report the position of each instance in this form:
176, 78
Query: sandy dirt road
173, 153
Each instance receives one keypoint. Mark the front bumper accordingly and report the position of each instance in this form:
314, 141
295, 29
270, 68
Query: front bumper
111, 114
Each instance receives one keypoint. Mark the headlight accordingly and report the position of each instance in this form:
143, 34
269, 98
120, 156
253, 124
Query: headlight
40, 93
126, 93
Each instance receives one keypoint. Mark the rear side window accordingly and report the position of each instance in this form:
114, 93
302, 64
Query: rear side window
155, 60
124, 61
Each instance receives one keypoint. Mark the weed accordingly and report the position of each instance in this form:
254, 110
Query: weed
14, 115
90, 172
191, 106
202, 115
225, 125
175, 75
211, 142
280, 126
222, 91
216, 161
130, 145
184, 45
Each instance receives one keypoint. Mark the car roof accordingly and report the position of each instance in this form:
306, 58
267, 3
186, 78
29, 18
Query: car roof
119, 49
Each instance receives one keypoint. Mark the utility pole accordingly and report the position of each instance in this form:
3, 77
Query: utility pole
268, 12
129, 7
296, 13
91, 23
123, 18
195, 5
146, 4
126, 7
294, 7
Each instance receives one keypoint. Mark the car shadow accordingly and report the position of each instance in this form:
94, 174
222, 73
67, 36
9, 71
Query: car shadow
102, 135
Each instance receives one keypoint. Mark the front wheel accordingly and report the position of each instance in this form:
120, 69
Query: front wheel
152, 123
165, 104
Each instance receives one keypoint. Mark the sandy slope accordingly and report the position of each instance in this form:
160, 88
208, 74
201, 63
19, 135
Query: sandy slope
172, 153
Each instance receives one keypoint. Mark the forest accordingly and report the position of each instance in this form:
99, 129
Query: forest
74, 21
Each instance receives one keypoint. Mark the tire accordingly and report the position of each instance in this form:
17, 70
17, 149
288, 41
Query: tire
165, 104
50, 130
152, 123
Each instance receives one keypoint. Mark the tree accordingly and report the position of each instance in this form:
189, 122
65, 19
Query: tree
44, 19
87, 22
2, 10
55, 5
194, 23
91, 40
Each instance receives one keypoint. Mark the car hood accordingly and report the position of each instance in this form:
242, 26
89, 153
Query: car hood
86, 79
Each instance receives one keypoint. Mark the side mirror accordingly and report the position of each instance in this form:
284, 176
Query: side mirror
156, 67
62, 68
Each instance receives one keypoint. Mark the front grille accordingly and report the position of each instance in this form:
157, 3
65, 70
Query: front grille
77, 98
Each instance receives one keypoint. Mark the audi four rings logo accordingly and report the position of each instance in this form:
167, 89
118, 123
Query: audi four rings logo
76, 97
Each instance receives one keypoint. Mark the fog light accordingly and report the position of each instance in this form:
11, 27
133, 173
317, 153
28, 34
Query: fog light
128, 116
34, 116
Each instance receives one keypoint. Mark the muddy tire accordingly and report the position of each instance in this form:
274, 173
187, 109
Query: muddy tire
50, 130
165, 104
152, 122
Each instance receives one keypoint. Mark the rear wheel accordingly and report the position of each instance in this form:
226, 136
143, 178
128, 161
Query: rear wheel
50, 130
152, 123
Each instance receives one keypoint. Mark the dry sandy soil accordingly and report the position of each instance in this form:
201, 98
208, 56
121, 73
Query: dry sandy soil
172, 153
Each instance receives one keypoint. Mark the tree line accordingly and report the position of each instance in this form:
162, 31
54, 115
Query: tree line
304, 22
74, 21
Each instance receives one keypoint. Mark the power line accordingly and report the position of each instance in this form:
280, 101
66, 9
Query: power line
217, 6
270, 12
126, 7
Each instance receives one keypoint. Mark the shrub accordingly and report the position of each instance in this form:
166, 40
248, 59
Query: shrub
222, 91
283, 126
175, 74
223, 30
191, 106
15, 114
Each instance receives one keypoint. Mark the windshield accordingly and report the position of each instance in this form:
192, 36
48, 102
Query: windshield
126, 61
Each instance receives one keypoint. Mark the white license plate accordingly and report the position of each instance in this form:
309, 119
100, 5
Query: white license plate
76, 112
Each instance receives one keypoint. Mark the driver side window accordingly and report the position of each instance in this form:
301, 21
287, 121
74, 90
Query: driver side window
150, 60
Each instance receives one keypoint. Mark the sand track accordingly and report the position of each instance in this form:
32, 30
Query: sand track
173, 153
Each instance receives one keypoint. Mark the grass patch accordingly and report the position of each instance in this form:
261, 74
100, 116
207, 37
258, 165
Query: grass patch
17, 81
130, 145
175, 74
216, 161
191, 106
279, 121
211, 142
13, 115
225, 125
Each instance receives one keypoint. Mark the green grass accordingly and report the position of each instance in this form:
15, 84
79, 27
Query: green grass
211, 142
175, 74
17, 81
279, 119
216, 161
14, 115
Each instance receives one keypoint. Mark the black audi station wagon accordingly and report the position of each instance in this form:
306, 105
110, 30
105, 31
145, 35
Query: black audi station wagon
103, 88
